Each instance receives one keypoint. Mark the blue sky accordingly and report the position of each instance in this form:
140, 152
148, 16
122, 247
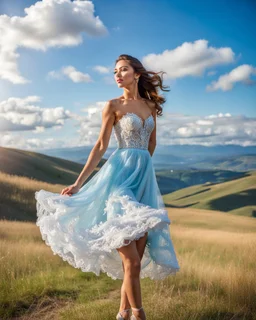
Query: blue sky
52, 94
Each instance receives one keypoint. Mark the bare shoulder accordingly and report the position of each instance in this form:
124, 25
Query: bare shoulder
109, 107
114, 104
115, 101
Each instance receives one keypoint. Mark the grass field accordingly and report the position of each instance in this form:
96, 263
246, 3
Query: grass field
217, 256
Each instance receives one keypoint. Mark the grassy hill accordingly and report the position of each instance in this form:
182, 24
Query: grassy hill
172, 180
216, 281
24, 172
236, 196
40, 167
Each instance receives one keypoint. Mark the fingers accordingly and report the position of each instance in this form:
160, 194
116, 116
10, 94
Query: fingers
65, 190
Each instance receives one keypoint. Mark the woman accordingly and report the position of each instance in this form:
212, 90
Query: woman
117, 222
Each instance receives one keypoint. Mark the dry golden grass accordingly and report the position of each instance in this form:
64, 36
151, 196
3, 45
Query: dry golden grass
217, 256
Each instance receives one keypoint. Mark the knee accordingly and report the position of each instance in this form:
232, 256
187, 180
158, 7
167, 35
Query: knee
132, 266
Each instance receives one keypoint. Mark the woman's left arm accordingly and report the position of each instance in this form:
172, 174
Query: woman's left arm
152, 138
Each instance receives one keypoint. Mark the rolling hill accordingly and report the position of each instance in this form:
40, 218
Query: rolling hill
236, 196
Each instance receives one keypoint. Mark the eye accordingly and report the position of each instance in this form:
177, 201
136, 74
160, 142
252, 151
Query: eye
121, 70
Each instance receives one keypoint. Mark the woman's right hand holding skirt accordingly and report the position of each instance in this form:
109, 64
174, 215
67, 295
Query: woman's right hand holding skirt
70, 190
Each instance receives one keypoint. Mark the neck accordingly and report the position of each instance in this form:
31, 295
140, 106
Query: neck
131, 95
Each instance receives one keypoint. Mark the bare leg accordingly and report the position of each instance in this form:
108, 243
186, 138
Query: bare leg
124, 303
131, 257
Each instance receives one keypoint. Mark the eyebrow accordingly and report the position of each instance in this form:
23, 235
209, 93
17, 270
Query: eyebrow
121, 67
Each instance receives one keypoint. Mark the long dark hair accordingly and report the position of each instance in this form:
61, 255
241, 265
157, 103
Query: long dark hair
147, 83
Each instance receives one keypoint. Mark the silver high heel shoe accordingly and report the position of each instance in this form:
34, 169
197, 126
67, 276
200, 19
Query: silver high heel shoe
119, 315
133, 316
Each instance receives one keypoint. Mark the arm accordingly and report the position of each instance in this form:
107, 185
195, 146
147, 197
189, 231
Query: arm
108, 118
152, 139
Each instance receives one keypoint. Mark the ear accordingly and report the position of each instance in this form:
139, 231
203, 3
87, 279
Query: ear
137, 75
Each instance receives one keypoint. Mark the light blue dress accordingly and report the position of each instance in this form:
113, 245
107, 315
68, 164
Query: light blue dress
118, 204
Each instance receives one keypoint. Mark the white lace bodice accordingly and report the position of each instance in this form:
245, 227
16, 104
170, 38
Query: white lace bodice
132, 132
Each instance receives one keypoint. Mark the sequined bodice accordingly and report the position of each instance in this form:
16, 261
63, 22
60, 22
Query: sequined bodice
133, 132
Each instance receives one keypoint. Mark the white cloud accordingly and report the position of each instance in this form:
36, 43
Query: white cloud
240, 74
55, 75
47, 23
206, 130
90, 124
75, 75
102, 69
20, 114
70, 72
12, 140
189, 59
211, 73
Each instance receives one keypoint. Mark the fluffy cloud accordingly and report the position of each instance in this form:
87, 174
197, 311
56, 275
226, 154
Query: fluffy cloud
89, 125
227, 81
47, 23
71, 73
207, 130
12, 140
20, 114
102, 69
189, 59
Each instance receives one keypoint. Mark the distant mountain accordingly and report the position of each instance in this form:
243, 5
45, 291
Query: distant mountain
177, 157
235, 163
237, 196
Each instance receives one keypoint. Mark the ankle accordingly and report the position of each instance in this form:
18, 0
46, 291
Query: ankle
126, 308
139, 312
124, 311
136, 309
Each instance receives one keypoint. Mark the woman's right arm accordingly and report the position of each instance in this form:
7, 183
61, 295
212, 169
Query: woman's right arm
101, 145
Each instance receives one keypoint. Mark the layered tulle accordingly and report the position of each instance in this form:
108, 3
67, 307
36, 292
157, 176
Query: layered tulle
120, 203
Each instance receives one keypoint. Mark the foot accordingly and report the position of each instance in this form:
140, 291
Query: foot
138, 313
123, 314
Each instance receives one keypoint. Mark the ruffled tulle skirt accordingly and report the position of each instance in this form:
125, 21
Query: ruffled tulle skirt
120, 203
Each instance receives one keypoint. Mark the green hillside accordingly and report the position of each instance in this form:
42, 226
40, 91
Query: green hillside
172, 180
235, 196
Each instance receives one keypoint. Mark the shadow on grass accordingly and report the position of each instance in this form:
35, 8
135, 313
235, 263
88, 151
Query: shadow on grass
234, 201
51, 299
185, 206
193, 194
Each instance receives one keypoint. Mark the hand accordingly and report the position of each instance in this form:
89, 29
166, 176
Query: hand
70, 190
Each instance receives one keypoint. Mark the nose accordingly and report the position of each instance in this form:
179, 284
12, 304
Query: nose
118, 76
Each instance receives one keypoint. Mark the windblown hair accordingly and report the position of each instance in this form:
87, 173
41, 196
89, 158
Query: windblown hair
147, 83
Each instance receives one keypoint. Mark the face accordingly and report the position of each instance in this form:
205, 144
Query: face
125, 73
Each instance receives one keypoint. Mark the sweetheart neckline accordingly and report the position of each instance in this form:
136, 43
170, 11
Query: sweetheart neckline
142, 120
